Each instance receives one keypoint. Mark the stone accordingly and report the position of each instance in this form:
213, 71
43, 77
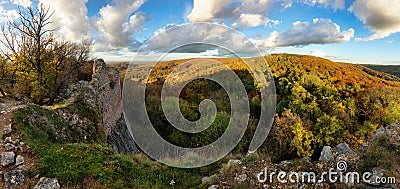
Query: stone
234, 162
19, 160
376, 174
393, 134
326, 154
9, 146
306, 159
205, 180
343, 148
241, 178
7, 129
14, 178
213, 187
47, 183
378, 133
7, 158
8, 139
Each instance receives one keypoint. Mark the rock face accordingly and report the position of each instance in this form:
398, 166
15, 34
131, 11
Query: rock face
106, 82
104, 96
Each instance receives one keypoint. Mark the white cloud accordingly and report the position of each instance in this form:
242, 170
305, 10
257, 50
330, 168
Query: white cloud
333, 4
382, 17
317, 53
251, 20
70, 18
6, 15
117, 26
200, 38
243, 14
206, 10
320, 31
23, 3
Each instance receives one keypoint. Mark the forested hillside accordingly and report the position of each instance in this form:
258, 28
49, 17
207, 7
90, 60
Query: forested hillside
319, 103
390, 69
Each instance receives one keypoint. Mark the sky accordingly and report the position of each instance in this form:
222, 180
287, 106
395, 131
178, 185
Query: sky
355, 31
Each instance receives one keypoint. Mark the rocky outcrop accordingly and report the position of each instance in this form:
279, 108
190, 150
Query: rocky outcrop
392, 132
106, 82
104, 95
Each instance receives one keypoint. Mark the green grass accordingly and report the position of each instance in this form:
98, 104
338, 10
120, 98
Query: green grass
381, 153
71, 161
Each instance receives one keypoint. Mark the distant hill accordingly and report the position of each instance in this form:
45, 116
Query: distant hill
390, 69
339, 73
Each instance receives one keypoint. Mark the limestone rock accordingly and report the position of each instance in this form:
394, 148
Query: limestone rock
9, 146
47, 183
376, 173
7, 158
205, 180
343, 148
7, 129
14, 178
233, 162
241, 178
19, 160
326, 154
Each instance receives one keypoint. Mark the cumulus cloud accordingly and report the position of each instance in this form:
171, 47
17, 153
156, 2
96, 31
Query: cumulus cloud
333, 4
381, 17
318, 53
200, 38
23, 3
320, 31
6, 15
69, 18
117, 25
243, 14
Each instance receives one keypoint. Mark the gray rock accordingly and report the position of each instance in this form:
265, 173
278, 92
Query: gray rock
326, 154
233, 162
213, 187
343, 148
7, 158
205, 180
376, 174
8, 139
7, 129
19, 160
378, 133
9, 146
306, 160
241, 178
14, 178
47, 183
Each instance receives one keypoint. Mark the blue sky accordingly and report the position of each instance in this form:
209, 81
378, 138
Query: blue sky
357, 31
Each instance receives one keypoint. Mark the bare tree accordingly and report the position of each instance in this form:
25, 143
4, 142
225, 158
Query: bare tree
30, 44
27, 37
68, 58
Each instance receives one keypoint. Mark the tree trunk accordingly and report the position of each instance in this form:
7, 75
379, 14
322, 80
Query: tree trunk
2, 92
